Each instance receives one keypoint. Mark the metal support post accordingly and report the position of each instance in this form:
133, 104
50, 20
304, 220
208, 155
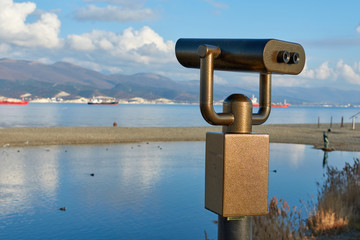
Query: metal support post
237, 118
241, 108
234, 229
237, 161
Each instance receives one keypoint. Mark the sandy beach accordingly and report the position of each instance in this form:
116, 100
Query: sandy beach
344, 139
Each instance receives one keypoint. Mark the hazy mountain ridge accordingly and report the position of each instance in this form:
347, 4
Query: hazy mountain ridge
42, 80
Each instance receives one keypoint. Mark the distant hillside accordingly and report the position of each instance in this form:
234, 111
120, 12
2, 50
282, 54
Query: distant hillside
41, 80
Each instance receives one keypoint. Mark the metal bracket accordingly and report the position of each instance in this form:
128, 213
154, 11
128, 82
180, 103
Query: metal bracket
207, 54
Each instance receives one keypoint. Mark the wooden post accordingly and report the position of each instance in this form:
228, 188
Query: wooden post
353, 123
318, 122
342, 122
331, 122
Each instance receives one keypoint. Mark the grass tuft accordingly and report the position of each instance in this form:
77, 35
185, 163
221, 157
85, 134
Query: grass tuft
282, 222
337, 210
338, 204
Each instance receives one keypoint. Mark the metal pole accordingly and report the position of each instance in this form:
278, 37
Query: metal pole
237, 228
229, 229
353, 123
240, 228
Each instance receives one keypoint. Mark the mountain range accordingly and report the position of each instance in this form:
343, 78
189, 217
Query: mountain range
48, 80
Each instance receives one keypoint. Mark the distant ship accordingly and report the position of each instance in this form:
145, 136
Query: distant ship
280, 105
6, 101
102, 101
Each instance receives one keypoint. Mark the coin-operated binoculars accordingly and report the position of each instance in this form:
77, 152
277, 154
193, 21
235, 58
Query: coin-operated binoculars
237, 161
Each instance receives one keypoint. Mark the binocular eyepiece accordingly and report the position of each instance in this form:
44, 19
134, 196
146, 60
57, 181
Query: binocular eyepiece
290, 58
249, 55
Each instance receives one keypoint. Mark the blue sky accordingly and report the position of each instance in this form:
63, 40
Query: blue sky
131, 36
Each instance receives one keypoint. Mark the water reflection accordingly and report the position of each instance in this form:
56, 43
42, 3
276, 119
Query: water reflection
294, 154
138, 191
325, 159
22, 179
299, 167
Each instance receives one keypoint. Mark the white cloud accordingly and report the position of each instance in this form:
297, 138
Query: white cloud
127, 3
181, 73
324, 72
81, 42
341, 74
307, 73
143, 46
44, 60
92, 65
350, 74
114, 13
358, 29
219, 80
105, 44
4, 48
15, 30
217, 4
288, 81
357, 66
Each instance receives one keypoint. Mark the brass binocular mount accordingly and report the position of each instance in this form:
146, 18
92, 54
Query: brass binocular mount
265, 56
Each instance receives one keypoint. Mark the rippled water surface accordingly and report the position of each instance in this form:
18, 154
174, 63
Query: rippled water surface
138, 191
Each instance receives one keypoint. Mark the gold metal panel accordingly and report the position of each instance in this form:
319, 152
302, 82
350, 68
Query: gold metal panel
236, 176
246, 171
214, 172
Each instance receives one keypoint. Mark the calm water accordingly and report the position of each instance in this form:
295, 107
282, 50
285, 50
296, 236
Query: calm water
139, 191
47, 115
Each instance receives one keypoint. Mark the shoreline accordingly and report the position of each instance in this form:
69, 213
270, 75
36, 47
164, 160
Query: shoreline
165, 101
343, 139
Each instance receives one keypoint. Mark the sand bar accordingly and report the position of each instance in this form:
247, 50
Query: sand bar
344, 138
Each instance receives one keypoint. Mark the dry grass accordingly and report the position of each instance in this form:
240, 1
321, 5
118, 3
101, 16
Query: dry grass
327, 223
338, 204
337, 210
282, 222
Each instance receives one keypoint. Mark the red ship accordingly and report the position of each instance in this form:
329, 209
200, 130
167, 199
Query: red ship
280, 105
2, 102
13, 102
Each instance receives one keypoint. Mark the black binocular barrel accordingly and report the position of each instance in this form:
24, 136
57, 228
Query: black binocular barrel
249, 55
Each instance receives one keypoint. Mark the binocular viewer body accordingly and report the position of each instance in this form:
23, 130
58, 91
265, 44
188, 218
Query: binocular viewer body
237, 161
249, 55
